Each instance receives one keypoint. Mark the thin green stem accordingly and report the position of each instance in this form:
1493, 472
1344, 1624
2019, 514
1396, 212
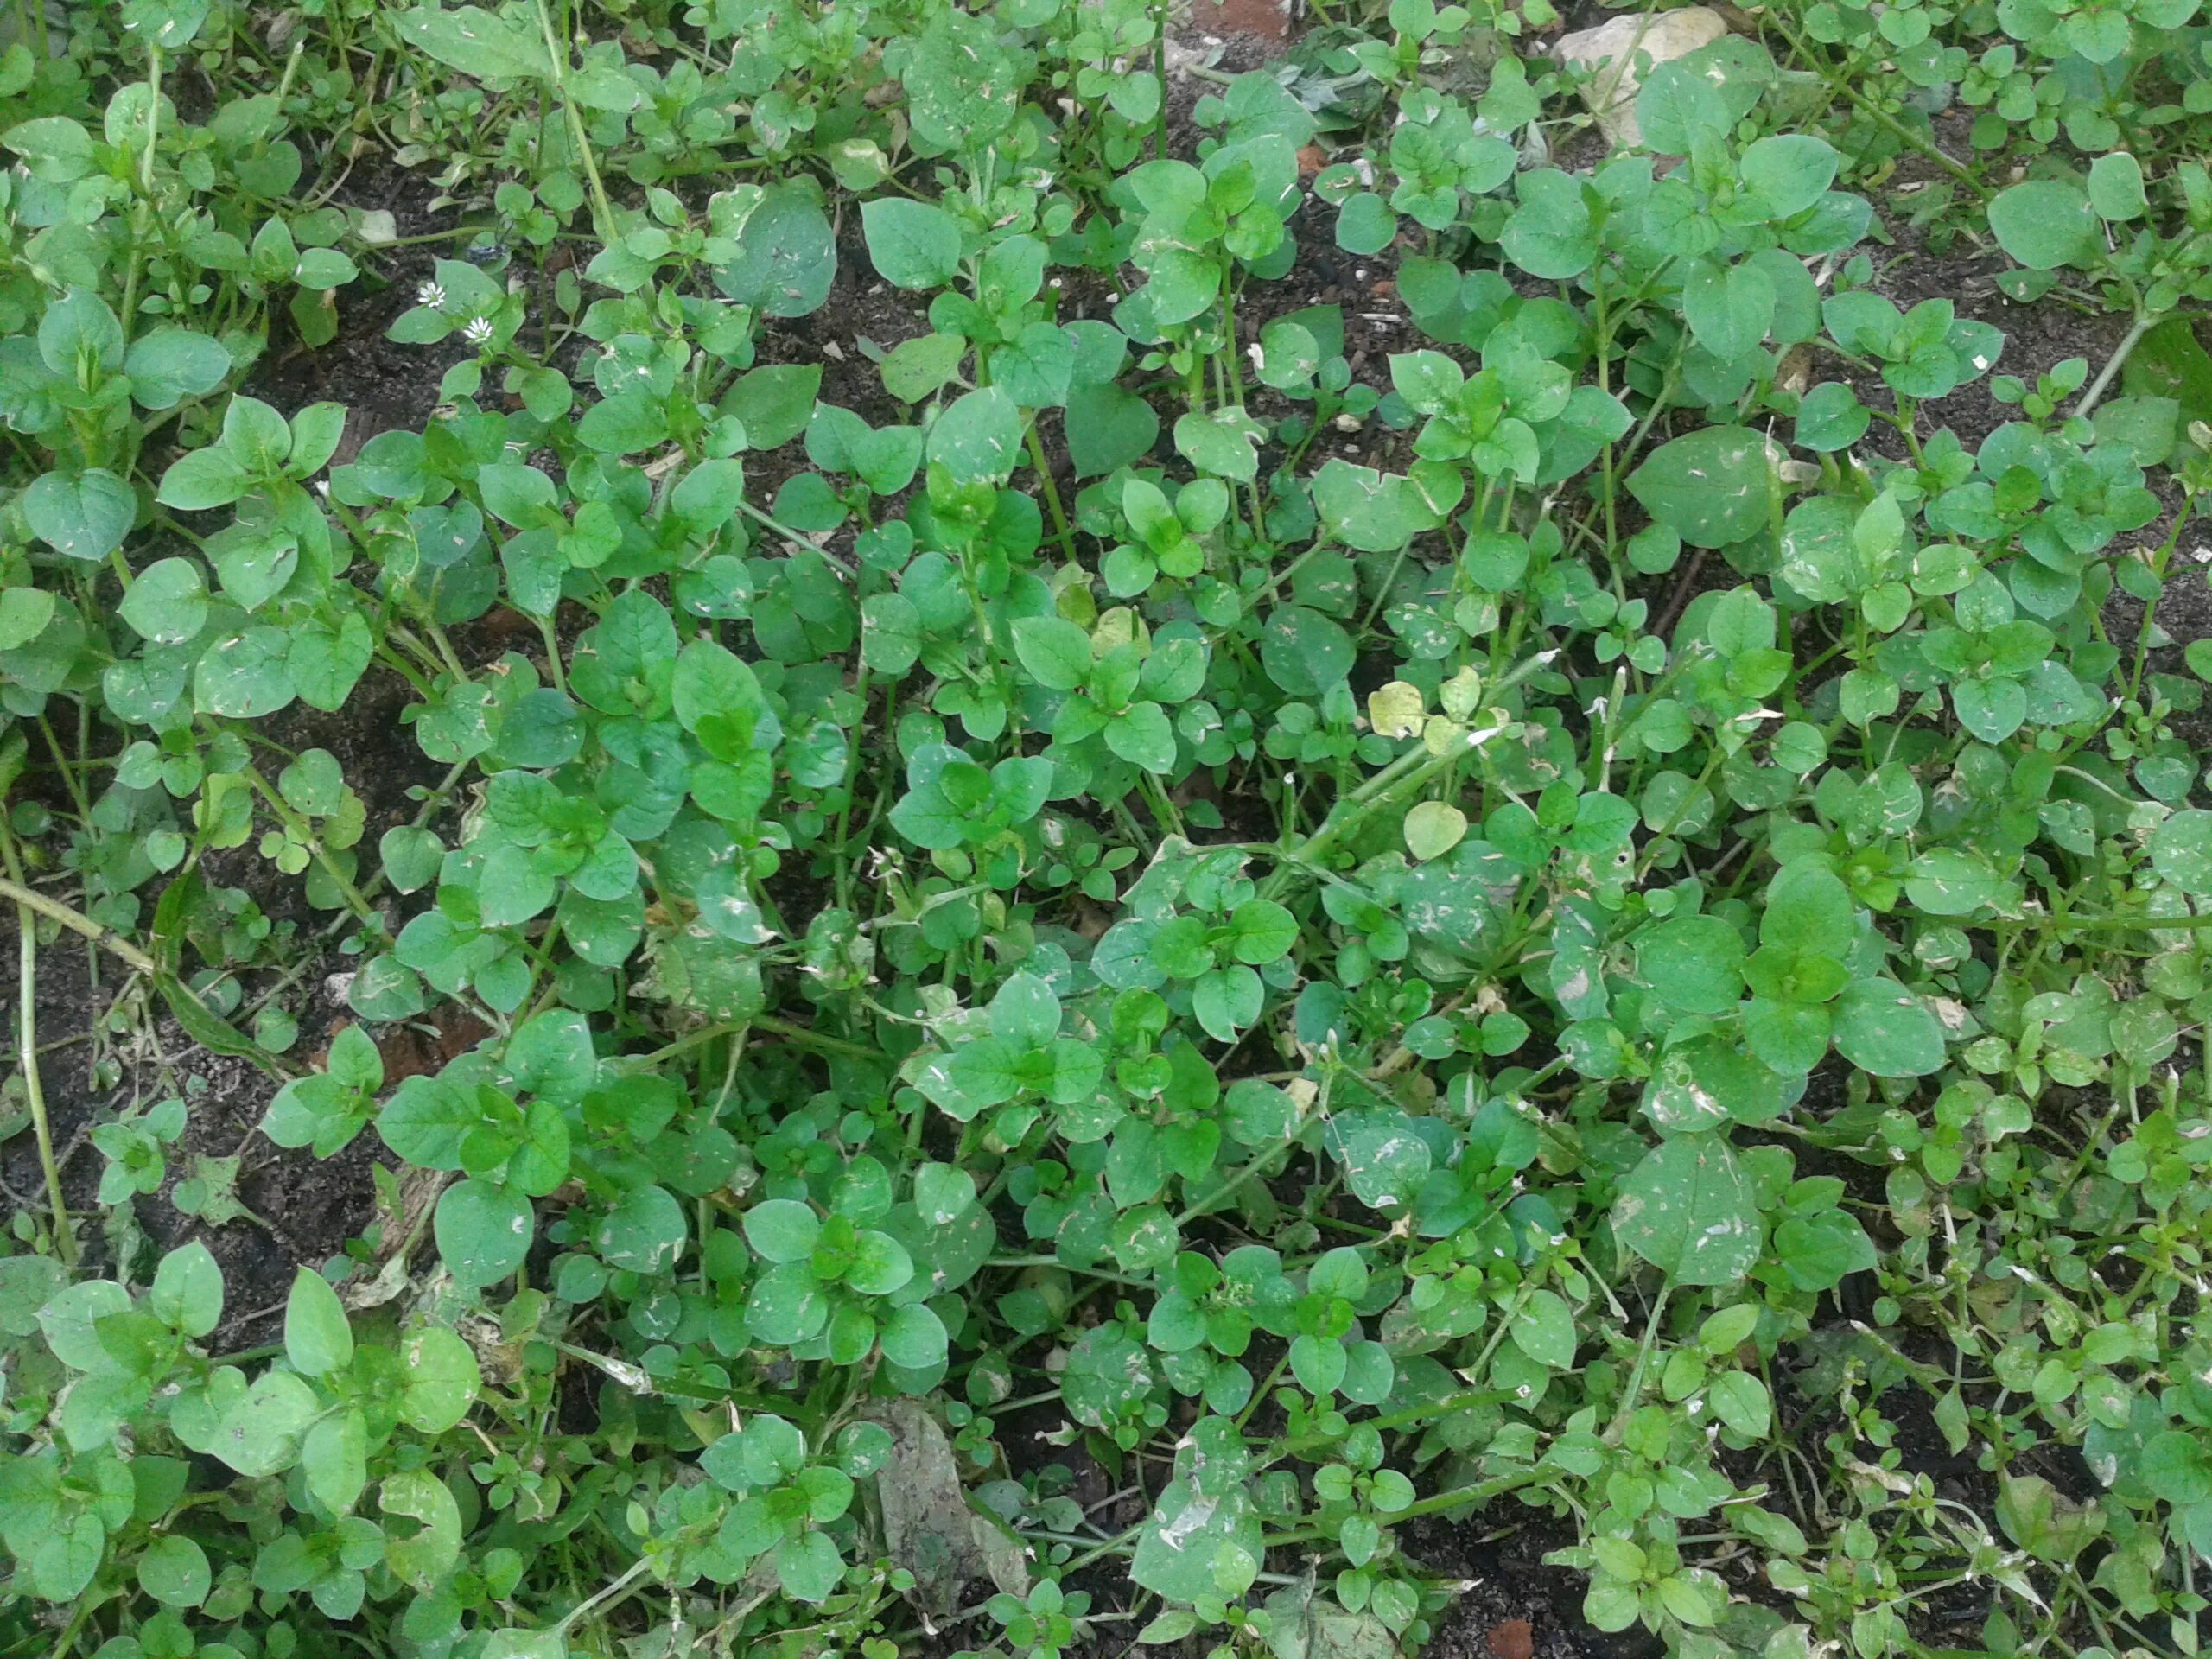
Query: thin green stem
2126, 923
78, 922
1043, 469
2144, 323
603, 209
300, 830
636, 1570
1896, 129
64, 1242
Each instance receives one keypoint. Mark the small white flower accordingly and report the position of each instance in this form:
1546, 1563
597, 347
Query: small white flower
478, 331
431, 295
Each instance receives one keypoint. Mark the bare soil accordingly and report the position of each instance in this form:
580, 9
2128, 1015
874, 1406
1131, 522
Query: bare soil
1510, 1605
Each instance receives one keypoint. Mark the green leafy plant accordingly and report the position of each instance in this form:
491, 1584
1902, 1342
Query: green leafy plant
1591, 913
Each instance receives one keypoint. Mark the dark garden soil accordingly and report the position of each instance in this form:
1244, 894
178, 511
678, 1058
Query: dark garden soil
100, 1057
1508, 1605
384, 387
291, 1208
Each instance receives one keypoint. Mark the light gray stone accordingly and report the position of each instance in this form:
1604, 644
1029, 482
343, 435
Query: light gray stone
1613, 50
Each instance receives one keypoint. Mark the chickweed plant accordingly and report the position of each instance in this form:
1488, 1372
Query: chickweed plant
1112, 971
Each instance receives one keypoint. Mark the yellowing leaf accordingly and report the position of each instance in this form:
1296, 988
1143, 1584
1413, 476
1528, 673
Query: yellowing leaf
1434, 829
1396, 709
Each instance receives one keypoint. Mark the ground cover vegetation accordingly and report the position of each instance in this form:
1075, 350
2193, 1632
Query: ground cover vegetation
1134, 960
